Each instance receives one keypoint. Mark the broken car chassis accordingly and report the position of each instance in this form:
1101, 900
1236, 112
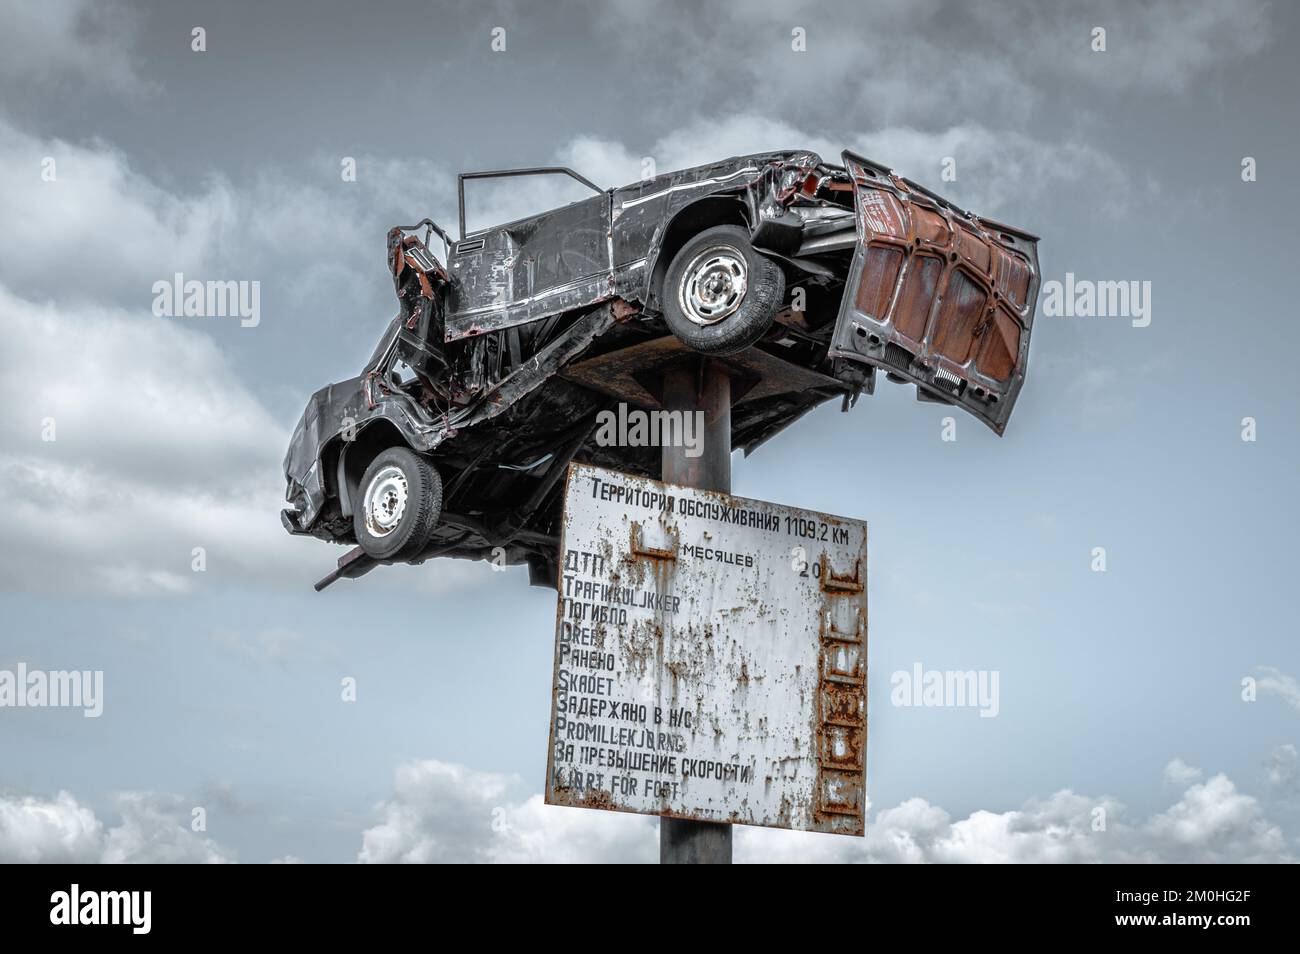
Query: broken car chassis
497, 365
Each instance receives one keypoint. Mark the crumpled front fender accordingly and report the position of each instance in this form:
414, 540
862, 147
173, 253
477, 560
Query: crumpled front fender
303, 469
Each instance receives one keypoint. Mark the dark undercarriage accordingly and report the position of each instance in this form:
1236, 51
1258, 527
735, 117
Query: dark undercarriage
504, 475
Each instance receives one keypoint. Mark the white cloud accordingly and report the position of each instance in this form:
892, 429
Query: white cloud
102, 231
160, 445
994, 169
1211, 823
1179, 773
444, 812
154, 829
57, 829
1274, 682
1282, 770
159, 448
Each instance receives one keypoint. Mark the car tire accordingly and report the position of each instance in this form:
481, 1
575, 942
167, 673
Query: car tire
719, 296
398, 505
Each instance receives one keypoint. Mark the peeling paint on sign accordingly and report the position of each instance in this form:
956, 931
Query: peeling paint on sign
710, 657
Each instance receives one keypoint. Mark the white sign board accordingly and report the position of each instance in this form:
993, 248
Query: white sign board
710, 657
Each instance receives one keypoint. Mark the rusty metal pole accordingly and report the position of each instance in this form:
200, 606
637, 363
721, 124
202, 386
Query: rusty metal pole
702, 386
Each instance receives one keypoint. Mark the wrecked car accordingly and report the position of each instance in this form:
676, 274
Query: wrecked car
803, 277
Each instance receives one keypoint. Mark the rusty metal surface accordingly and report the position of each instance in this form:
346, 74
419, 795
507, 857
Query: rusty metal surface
710, 657
624, 374
937, 296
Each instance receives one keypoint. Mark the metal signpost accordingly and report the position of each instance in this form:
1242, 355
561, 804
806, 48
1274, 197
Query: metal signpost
686, 840
710, 662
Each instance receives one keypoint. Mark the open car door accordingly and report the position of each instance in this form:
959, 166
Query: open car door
531, 268
937, 296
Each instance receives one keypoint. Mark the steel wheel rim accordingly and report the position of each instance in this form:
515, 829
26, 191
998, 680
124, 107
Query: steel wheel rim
713, 285
385, 501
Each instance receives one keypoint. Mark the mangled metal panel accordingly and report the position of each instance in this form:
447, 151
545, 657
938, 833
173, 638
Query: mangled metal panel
521, 271
710, 657
937, 296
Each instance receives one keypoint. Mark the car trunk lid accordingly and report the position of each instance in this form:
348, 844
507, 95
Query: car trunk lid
937, 296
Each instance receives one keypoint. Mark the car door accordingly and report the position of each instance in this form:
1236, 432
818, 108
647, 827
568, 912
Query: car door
531, 268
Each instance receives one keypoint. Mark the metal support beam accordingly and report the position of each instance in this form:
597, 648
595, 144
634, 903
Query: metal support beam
686, 842
704, 386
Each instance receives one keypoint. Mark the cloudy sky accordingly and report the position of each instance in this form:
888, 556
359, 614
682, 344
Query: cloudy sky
1162, 691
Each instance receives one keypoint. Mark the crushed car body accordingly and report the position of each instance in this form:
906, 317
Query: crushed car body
803, 278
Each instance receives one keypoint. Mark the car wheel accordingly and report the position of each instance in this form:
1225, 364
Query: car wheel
719, 295
398, 507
